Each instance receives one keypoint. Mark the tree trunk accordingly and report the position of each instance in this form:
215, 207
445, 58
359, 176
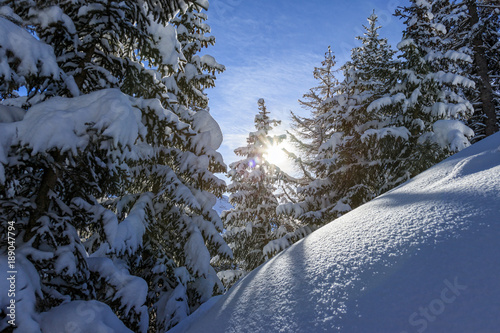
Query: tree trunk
42, 200
481, 64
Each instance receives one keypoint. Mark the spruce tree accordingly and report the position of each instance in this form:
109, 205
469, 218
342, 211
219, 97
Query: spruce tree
308, 135
108, 172
425, 97
364, 138
198, 71
253, 224
349, 163
310, 132
474, 26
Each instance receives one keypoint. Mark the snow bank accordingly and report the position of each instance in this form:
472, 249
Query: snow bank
422, 257
82, 317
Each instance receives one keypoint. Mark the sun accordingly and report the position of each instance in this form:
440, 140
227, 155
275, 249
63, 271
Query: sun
275, 155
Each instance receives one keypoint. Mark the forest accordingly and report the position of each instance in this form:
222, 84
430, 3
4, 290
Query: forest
109, 161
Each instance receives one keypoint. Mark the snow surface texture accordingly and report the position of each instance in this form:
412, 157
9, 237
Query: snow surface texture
424, 257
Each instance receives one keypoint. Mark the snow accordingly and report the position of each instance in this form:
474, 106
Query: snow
35, 57
423, 3
25, 289
129, 233
10, 114
455, 55
52, 15
397, 132
209, 61
205, 124
82, 317
130, 290
385, 101
197, 255
125, 236
203, 3
275, 246
451, 78
452, 133
230, 275
422, 257
166, 41
405, 43
65, 262
7, 134
439, 27
63, 123
335, 140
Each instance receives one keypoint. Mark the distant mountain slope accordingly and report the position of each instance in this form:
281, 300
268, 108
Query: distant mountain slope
424, 257
222, 204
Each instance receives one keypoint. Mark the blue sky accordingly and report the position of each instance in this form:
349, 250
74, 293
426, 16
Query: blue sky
270, 48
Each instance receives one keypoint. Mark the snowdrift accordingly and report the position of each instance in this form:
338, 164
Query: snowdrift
424, 257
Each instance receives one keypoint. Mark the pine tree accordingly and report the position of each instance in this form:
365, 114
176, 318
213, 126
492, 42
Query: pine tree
253, 224
199, 71
349, 163
425, 98
187, 211
109, 176
363, 139
474, 26
309, 133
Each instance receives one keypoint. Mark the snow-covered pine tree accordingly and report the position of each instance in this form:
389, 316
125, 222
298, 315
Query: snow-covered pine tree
360, 148
187, 206
474, 26
253, 223
350, 163
425, 99
101, 180
310, 132
308, 135
198, 71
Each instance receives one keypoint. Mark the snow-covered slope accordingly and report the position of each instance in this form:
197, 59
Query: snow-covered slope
424, 257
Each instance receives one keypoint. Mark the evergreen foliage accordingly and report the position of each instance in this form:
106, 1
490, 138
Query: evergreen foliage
254, 230
474, 26
388, 120
348, 163
426, 96
108, 174
310, 132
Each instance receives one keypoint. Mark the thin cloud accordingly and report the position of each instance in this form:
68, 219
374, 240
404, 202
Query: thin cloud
281, 82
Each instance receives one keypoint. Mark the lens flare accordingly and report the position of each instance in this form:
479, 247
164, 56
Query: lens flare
275, 155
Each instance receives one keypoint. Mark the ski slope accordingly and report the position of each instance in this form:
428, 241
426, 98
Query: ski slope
424, 257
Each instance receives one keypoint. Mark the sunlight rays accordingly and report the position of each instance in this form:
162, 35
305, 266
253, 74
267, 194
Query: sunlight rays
276, 155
